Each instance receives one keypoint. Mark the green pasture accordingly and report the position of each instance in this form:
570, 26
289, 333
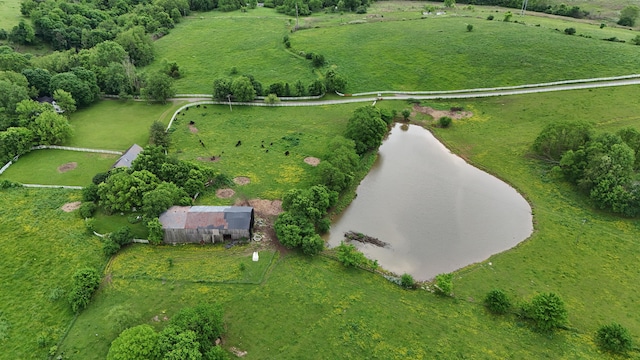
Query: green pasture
9, 14
116, 125
439, 54
42, 246
266, 134
104, 224
47, 167
312, 308
208, 46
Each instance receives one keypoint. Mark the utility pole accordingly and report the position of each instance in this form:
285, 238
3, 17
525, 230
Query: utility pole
297, 20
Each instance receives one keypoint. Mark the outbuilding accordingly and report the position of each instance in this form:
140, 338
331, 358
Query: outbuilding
206, 224
128, 157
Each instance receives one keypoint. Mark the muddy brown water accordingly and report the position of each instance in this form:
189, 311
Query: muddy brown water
437, 212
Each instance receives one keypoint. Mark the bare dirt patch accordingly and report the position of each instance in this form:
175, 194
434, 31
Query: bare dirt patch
241, 180
266, 212
313, 161
225, 193
193, 129
209, 159
237, 352
263, 208
437, 114
67, 167
69, 207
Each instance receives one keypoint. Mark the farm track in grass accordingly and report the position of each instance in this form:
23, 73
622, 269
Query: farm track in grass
42, 246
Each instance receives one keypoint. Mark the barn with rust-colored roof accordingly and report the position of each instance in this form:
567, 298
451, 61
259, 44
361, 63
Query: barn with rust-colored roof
206, 224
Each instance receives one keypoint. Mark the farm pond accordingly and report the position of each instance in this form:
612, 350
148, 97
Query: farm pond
436, 212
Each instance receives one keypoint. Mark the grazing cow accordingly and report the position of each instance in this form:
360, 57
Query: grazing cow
286, 153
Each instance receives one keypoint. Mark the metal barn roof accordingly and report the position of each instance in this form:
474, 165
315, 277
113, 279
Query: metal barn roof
127, 158
207, 217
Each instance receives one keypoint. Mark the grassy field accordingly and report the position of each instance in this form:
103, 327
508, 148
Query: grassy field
208, 46
42, 247
9, 14
48, 167
394, 48
265, 135
116, 125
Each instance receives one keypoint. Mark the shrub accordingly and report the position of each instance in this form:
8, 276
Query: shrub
90, 193
155, 231
497, 301
490, 17
318, 60
444, 284
122, 236
546, 310
100, 178
407, 282
405, 114
87, 210
271, 99
349, 256
90, 225
603, 25
444, 122
570, 31
85, 283
614, 338
469, 27
507, 16
110, 247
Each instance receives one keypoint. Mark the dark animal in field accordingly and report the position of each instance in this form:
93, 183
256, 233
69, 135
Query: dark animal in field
271, 144
204, 106
192, 122
266, 151
201, 143
238, 143
286, 153
185, 109
198, 106
262, 146
184, 113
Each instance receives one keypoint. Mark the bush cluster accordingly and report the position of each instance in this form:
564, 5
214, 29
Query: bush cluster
85, 283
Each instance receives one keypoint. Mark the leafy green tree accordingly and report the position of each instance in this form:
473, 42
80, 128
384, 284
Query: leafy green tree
15, 141
334, 178
291, 229
444, 122
154, 227
299, 89
629, 15
65, 101
507, 16
311, 203
335, 82
547, 311
85, 283
161, 198
38, 79
122, 236
110, 247
10, 95
271, 99
349, 256
222, 89
50, 128
318, 60
469, 27
631, 137
177, 344
137, 44
158, 136
114, 80
405, 114
366, 128
614, 338
22, 34
80, 90
158, 87
558, 137
317, 88
87, 209
312, 245
123, 191
11, 60
138, 342
570, 31
242, 89
444, 284
28, 110
105, 53
171, 69
449, 3
497, 301
205, 320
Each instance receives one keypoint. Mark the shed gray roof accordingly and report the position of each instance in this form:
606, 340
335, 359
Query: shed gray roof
207, 217
127, 158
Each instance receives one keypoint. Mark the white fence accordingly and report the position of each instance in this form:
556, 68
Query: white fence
55, 147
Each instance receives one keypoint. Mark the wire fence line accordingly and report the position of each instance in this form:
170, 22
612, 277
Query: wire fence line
53, 186
56, 147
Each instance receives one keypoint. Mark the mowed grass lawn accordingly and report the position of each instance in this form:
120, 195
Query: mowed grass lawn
58, 167
265, 136
208, 46
116, 125
439, 54
42, 246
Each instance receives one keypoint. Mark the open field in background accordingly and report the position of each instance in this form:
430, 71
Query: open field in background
47, 167
116, 125
315, 309
439, 54
42, 247
9, 14
109, 223
208, 45
302, 131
